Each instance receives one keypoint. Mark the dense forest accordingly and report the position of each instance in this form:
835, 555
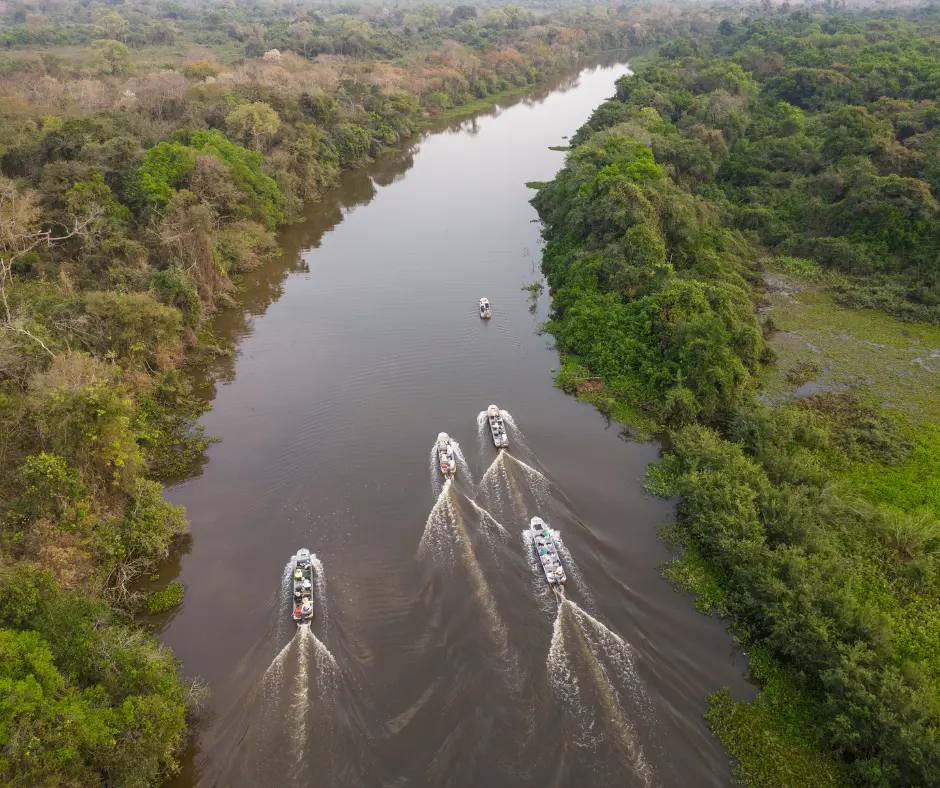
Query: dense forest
790, 150
148, 152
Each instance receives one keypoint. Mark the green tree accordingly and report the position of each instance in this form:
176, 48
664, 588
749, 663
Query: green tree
253, 124
163, 170
111, 25
46, 727
110, 58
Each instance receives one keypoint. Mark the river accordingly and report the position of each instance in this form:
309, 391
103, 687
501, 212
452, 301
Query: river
438, 657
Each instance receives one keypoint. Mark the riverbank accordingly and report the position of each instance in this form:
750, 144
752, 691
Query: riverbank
481, 104
477, 105
799, 437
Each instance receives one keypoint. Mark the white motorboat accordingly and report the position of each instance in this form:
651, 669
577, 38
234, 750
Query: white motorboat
446, 455
547, 553
302, 586
485, 309
497, 427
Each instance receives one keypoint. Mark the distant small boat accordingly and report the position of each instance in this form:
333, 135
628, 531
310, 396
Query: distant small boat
497, 427
446, 456
302, 586
547, 553
485, 309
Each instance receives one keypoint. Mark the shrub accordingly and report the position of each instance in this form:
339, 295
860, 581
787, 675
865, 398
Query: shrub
80, 412
150, 523
48, 488
132, 327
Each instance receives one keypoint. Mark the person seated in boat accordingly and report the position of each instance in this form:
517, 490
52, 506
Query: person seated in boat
306, 586
298, 574
307, 608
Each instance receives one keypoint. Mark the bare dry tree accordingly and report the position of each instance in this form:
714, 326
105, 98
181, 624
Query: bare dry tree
117, 585
20, 234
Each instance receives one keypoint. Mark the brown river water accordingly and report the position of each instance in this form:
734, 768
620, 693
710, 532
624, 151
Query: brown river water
438, 655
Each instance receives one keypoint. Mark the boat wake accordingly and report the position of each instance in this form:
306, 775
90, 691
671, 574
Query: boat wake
463, 467
483, 433
438, 536
447, 539
536, 481
284, 729
507, 417
493, 531
583, 656
298, 722
513, 489
304, 668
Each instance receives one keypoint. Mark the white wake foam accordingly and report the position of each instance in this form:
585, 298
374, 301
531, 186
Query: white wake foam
438, 536
463, 467
581, 645
434, 469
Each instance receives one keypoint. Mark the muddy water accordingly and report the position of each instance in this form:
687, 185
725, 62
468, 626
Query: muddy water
438, 656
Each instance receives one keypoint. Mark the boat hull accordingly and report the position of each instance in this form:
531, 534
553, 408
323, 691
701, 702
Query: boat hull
546, 552
302, 585
446, 457
497, 428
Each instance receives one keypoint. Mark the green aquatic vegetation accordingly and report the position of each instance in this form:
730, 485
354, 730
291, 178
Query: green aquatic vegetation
803, 372
167, 428
888, 362
689, 573
909, 485
444, 107
767, 739
535, 289
165, 599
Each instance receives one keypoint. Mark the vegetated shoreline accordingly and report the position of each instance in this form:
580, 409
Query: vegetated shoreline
480, 104
809, 522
